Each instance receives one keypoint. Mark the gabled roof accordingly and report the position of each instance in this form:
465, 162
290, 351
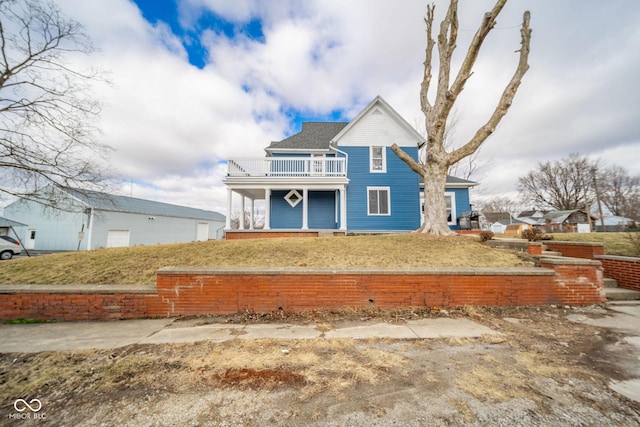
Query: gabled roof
110, 202
534, 213
503, 217
558, 217
378, 101
313, 136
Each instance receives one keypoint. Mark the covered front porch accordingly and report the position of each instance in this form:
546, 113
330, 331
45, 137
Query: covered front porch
289, 207
299, 193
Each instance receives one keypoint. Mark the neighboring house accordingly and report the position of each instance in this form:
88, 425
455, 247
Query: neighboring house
614, 223
85, 220
341, 176
497, 222
566, 221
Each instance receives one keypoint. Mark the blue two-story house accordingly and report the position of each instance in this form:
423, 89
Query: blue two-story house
339, 177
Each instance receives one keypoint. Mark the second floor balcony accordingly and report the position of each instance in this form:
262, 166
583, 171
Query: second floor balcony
283, 167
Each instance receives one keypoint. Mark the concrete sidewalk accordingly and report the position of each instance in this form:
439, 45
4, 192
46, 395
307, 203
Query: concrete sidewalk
33, 338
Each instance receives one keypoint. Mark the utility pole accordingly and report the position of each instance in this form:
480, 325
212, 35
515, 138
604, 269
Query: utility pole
595, 187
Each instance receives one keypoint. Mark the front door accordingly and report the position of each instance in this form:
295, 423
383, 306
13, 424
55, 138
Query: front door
30, 241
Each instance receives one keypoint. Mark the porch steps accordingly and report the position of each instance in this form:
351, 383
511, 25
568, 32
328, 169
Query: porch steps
547, 252
614, 293
551, 253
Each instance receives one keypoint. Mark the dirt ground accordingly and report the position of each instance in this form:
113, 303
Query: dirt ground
543, 370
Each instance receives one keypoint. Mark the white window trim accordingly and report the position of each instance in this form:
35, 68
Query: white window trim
294, 203
454, 215
388, 190
384, 159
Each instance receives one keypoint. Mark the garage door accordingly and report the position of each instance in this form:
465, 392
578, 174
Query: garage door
202, 233
117, 238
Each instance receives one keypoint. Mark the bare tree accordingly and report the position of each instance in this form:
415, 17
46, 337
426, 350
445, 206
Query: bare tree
47, 110
438, 160
258, 219
498, 205
563, 184
620, 192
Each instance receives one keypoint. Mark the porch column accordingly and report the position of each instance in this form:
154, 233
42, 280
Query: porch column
267, 209
229, 197
241, 225
305, 209
343, 209
251, 214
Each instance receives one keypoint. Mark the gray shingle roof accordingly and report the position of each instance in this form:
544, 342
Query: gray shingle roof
456, 180
453, 180
110, 202
313, 136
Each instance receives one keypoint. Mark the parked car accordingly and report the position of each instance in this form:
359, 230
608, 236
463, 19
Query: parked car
9, 247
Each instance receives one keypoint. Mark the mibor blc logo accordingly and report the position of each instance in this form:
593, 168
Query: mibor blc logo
27, 410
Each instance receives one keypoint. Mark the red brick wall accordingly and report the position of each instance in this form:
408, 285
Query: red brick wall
183, 292
626, 270
577, 282
235, 235
77, 306
193, 292
585, 250
534, 248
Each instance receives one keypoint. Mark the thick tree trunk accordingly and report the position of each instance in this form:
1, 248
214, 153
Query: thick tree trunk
435, 209
433, 174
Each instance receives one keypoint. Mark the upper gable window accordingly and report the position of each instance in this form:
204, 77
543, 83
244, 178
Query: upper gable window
378, 160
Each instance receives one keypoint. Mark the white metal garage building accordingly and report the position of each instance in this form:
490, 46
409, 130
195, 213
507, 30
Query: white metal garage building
85, 220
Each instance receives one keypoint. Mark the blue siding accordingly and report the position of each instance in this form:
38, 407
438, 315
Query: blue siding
282, 214
403, 184
322, 210
462, 202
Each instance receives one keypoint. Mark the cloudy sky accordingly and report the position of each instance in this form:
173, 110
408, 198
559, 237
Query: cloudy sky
197, 81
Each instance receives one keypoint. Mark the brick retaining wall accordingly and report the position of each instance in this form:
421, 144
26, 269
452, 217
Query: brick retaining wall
78, 302
200, 291
626, 270
584, 250
265, 234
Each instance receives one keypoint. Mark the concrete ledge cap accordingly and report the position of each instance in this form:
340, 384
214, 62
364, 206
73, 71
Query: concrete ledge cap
568, 261
551, 242
79, 289
464, 271
618, 258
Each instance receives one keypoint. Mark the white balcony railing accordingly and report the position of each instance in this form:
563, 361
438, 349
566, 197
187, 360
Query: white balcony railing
287, 167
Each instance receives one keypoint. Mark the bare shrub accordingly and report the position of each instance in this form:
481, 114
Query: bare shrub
486, 235
532, 235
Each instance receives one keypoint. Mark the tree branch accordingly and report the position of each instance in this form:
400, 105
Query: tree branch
505, 100
402, 155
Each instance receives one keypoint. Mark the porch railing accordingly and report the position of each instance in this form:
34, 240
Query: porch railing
287, 166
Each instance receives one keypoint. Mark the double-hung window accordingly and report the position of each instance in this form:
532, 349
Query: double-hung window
378, 161
378, 201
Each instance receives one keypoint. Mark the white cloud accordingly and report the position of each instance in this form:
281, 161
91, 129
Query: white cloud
171, 123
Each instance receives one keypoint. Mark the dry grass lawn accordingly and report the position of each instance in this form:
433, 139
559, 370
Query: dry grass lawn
137, 265
614, 243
